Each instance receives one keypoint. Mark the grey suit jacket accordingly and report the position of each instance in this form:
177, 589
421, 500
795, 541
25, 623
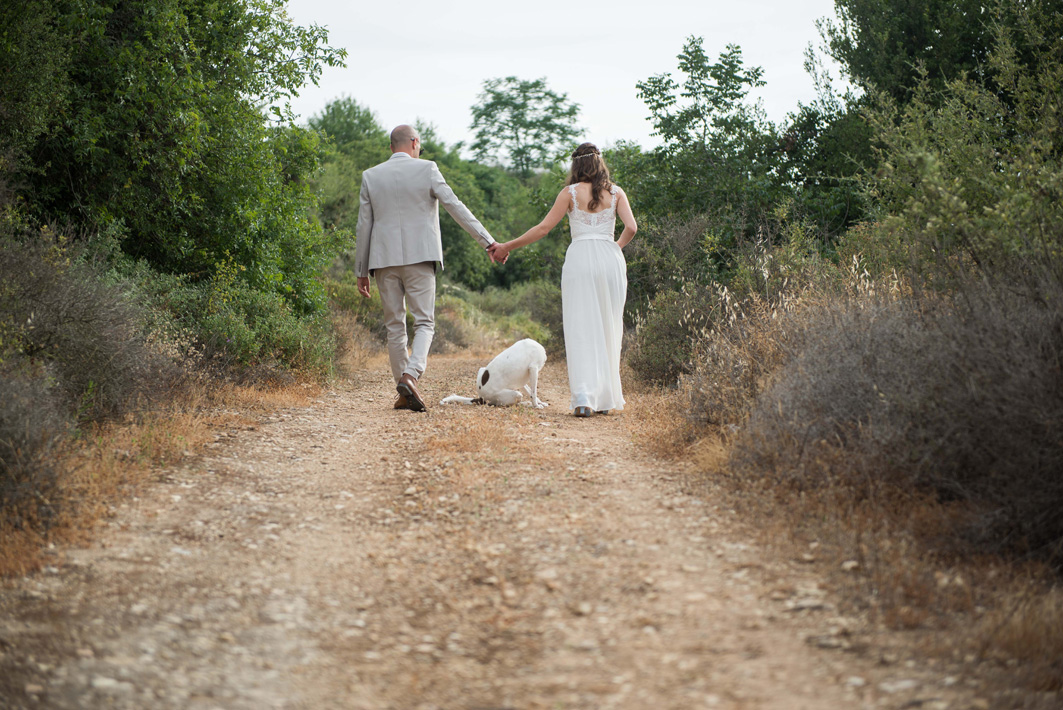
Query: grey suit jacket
398, 215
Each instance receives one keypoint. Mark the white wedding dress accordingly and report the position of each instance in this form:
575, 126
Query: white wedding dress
593, 291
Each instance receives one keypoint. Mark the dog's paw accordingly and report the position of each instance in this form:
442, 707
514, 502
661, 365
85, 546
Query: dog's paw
541, 404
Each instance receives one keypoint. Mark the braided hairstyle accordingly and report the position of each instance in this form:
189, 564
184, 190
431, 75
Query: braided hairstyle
589, 166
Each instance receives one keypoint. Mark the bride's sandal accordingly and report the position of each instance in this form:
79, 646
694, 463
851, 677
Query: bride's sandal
582, 411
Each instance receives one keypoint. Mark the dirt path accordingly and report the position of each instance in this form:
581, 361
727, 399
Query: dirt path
349, 556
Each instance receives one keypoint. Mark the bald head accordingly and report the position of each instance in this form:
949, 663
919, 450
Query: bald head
402, 138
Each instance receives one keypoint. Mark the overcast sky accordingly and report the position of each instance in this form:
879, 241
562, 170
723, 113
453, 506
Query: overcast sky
425, 60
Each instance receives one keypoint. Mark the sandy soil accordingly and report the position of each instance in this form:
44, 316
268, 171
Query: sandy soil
346, 555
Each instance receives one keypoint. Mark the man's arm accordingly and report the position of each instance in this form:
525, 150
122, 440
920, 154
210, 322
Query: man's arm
457, 209
363, 238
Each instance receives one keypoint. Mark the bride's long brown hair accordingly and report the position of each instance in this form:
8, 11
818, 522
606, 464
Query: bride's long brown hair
589, 166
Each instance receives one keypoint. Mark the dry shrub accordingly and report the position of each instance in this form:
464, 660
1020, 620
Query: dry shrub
733, 361
33, 430
62, 312
961, 398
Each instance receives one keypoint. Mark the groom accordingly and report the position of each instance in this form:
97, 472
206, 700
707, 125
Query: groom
399, 244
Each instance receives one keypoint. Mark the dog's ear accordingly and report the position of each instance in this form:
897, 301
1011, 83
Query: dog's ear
484, 376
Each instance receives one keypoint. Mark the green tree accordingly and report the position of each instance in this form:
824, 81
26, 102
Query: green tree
972, 174
166, 139
522, 124
881, 44
718, 150
358, 142
33, 78
826, 150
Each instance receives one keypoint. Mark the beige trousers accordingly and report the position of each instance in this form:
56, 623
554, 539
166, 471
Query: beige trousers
410, 287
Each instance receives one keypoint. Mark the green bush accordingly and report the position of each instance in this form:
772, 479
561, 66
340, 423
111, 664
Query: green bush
526, 310
236, 329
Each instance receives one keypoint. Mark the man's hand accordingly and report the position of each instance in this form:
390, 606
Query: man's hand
363, 285
499, 254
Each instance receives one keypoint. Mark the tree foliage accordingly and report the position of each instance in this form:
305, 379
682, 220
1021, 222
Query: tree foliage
357, 141
717, 148
882, 46
164, 142
974, 170
522, 124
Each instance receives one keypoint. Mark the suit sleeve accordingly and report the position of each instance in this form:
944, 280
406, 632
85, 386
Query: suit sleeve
363, 232
457, 209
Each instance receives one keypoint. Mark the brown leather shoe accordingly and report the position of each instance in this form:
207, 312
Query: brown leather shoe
401, 402
407, 387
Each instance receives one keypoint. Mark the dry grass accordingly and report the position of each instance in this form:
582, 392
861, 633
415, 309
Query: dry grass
356, 346
1024, 632
480, 437
110, 460
659, 424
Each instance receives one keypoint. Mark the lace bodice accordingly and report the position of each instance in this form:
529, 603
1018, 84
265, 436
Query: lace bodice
592, 225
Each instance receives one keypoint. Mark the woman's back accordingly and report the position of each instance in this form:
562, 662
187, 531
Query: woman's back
583, 198
601, 222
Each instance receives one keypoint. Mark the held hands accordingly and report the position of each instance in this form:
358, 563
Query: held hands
499, 253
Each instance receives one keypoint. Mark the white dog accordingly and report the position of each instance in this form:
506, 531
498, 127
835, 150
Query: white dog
514, 368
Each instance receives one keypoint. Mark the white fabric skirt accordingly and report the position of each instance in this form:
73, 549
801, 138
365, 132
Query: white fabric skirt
593, 292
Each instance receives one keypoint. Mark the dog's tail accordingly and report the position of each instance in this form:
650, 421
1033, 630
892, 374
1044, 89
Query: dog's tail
458, 399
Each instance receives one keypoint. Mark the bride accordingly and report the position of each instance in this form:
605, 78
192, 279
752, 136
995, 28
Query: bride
593, 279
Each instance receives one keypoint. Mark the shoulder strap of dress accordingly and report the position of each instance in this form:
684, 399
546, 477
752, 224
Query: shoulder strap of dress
613, 191
572, 191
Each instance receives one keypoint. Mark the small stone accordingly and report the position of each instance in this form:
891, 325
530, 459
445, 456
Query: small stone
34, 689
825, 641
110, 685
807, 605
855, 681
582, 609
412, 490
850, 566
897, 686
